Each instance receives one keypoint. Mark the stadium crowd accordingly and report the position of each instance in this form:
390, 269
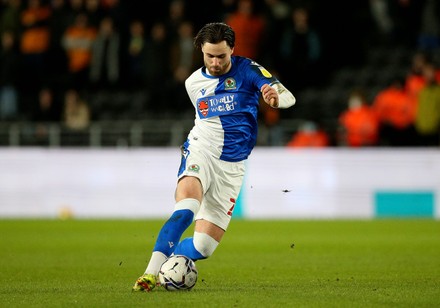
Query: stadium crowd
60, 60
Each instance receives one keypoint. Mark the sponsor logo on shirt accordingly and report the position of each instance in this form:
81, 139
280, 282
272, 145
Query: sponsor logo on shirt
203, 108
217, 105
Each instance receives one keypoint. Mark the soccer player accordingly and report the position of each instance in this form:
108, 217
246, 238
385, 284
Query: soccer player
225, 93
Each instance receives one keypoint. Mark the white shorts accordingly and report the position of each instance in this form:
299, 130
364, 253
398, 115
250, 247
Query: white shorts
221, 182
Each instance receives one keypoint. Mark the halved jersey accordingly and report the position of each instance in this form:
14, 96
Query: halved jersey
227, 108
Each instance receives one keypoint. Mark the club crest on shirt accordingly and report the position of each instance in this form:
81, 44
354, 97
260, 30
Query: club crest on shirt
194, 168
230, 84
203, 108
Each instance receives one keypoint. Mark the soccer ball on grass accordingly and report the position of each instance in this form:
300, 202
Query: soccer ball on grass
178, 273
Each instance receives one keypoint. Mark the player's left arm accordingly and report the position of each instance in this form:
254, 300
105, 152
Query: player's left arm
272, 90
277, 96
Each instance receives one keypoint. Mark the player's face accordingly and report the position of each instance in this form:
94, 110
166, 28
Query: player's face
217, 58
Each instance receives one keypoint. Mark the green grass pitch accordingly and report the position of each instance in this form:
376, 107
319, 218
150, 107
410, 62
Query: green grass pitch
338, 263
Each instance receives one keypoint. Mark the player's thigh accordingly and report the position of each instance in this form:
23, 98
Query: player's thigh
219, 201
189, 187
194, 174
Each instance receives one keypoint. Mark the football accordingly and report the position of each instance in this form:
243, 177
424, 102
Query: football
178, 273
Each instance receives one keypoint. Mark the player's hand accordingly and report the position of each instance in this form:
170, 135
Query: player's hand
270, 95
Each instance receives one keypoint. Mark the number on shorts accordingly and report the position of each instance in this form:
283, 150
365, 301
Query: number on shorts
232, 207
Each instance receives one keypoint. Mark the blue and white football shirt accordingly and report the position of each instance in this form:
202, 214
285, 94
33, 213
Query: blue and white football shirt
227, 108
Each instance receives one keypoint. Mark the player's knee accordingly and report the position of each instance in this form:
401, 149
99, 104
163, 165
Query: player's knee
204, 244
188, 204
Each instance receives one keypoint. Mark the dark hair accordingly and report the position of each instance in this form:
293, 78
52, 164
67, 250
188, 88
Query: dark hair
214, 33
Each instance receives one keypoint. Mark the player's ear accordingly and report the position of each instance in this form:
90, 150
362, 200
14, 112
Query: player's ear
232, 50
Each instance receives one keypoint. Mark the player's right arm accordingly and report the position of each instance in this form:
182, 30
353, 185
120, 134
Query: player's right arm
190, 89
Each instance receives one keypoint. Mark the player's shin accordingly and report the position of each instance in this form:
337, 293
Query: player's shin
173, 229
171, 232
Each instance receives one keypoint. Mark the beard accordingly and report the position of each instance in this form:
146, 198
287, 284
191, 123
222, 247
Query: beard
218, 70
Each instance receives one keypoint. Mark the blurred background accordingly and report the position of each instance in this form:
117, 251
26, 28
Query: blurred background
110, 73
93, 106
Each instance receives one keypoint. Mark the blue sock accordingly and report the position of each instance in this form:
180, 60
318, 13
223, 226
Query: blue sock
172, 230
187, 248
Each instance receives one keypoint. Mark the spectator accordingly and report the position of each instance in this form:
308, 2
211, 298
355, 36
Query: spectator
116, 11
78, 40
396, 110
309, 136
427, 121
56, 57
381, 16
10, 18
182, 52
35, 32
94, 12
228, 7
176, 15
184, 60
76, 7
34, 42
406, 17
249, 29
8, 77
278, 11
44, 114
277, 14
158, 71
76, 113
429, 36
75, 119
135, 54
359, 124
415, 81
300, 52
104, 66
46, 110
